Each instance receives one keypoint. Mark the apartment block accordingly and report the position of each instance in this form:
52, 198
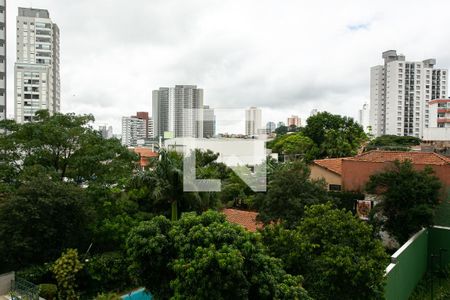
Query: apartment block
253, 121
178, 110
400, 92
36, 72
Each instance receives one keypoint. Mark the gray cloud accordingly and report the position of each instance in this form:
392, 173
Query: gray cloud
286, 56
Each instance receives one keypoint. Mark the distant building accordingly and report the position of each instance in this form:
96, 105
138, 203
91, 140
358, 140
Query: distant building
106, 131
400, 92
253, 121
293, 121
3, 60
364, 117
209, 122
314, 112
136, 129
439, 125
270, 127
36, 72
178, 110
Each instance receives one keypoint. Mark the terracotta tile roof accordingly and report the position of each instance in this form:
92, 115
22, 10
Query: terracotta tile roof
419, 158
144, 154
247, 219
332, 164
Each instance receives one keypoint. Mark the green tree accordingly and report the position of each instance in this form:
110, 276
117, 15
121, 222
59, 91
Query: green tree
65, 270
409, 198
393, 142
40, 219
293, 145
205, 257
66, 145
334, 251
335, 136
281, 130
289, 190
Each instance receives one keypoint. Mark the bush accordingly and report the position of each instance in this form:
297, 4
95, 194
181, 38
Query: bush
36, 274
108, 296
48, 291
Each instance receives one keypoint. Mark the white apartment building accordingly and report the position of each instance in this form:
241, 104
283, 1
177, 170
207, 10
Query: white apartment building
133, 130
2, 59
400, 92
439, 129
36, 72
364, 117
178, 110
253, 121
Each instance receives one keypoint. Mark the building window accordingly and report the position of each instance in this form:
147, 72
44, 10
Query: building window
335, 187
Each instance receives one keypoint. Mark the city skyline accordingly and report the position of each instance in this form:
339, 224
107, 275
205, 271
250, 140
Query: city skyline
230, 64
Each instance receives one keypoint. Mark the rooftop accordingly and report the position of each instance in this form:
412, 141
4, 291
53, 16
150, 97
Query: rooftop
332, 164
418, 158
246, 219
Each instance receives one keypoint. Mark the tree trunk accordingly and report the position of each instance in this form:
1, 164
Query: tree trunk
174, 211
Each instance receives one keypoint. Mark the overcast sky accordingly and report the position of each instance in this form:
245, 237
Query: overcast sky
285, 56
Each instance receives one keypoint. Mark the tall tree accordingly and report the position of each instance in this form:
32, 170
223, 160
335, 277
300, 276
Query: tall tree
66, 145
205, 257
409, 198
289, 190
334, 135
334, 251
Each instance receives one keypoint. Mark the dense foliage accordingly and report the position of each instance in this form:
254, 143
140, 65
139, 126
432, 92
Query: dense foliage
409, 198
334, 136
65, 270
334, 251
205, 257
393, 142
289, 191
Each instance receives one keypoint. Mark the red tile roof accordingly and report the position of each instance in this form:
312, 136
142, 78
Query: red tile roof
247, 219
332, 164
144, 154
418, 158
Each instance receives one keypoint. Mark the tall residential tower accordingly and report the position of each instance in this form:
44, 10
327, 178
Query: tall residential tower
36, 72
400, 92
253, 121
178, 110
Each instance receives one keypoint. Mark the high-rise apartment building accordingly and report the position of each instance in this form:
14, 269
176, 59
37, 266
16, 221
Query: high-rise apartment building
178, 110
209, 122
400, 92
36, 72
136, 128
293, 121
106, 131
2, 59
364, 117
253, 121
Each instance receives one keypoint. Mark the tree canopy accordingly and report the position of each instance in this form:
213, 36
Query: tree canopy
334, 251
393, 142
205, 257
409, 198
289, 190
334, 135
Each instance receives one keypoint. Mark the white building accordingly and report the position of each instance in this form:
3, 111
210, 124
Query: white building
133, 130
178, 110
400, 91
36, 72
2, 59
439, 127
106, 131
364, 117
253, 121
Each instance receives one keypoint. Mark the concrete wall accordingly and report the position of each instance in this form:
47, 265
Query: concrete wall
408, 266
5, 283
318, 172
